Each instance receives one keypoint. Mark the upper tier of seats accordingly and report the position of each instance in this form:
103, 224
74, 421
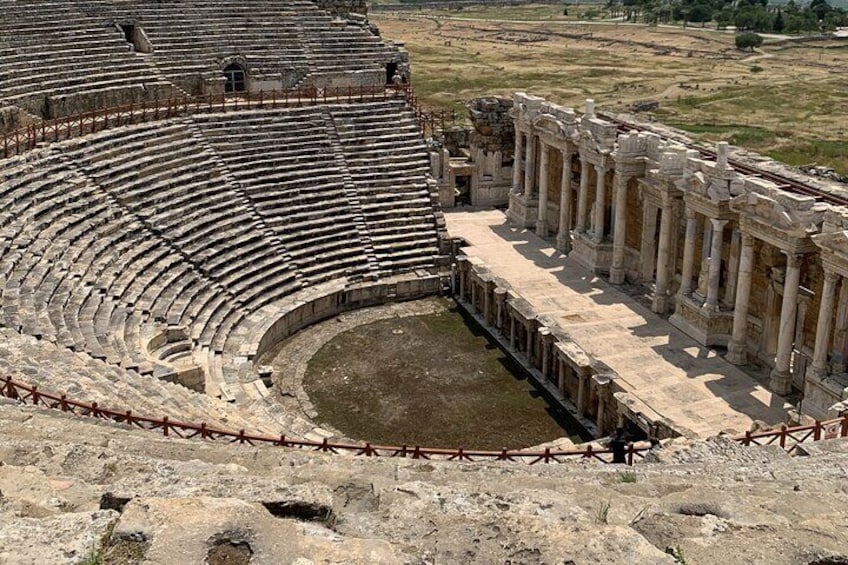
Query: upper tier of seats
63, 56
142, 247
53, 51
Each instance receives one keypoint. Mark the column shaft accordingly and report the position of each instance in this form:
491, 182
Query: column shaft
828, 297
839, 355
583, 196
516, 163
600, 203
738, 347
530, 167
689, 253
617, 271
660, 302
581, 394
541, 222
563, 237
715, 264
648, 249
780, 381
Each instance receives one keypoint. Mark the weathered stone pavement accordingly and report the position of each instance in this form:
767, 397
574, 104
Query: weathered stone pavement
690, 385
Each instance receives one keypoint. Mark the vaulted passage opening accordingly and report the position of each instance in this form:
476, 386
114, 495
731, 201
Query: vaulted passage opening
235, 76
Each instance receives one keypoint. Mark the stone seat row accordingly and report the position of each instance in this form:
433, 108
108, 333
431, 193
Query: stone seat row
109, 235
94, 381
40, 59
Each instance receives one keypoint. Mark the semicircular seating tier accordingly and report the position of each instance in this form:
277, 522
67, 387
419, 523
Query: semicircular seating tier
144, 250
61, 57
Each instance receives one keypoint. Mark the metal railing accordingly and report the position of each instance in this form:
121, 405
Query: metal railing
173, 428
785, 437
50, 131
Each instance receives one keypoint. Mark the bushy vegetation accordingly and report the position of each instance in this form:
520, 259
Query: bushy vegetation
748, 40
746, 15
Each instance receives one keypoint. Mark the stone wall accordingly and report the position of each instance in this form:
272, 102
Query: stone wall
343, 7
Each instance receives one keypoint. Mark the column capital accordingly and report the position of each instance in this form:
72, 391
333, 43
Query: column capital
793, 259
690, 213
601, 170
718, 224
747, 239
830, 276
544, 147
567, 151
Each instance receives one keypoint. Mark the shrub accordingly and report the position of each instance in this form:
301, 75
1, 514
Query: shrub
748, 40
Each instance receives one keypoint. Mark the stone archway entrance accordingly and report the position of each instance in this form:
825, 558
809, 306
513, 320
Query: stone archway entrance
236, 78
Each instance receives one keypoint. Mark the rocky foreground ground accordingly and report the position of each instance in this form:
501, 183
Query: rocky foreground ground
75, 491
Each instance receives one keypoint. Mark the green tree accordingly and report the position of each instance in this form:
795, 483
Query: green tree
778, 24
748, 40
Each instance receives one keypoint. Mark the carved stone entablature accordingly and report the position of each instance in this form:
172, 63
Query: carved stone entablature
525, 106
834, 250
661, 185
554, 130
629, 169
705, 195
601, 132
780, 218
631, 145
655, 145
701, 204
672, 161
835, 219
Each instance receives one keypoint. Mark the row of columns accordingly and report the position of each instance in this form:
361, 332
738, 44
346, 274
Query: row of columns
738, 290
528, 337
524, 182
716, 249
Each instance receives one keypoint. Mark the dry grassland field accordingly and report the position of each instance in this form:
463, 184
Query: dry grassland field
788, 99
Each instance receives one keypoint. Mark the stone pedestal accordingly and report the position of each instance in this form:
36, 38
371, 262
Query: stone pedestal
523, 213
821, 392
707, 327
593, 255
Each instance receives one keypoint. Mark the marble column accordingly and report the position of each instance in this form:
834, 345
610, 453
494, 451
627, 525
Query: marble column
511, 331
839, 355
733, 267
463, 274
530, 334
500, 299
660, 301
581, 394
780, 380
689, 253
563, 371
583, 196
617, 270
828, 298
600, 203
517, 169
544, 350
563, 237
711, 302
530, 167
541, 222
488, 315
648, 249
737, 349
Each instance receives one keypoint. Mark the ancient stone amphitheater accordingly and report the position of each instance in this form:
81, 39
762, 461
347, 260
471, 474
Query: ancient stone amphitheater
184, 184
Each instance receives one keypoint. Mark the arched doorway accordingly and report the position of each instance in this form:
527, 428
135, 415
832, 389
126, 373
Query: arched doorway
391, 69
235, 75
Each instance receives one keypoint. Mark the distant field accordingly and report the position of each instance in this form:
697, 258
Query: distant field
788, 100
